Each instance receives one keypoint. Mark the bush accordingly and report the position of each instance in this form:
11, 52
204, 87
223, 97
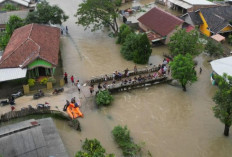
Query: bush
124, 31
118, 3
123, 139
52, 79
31, 82
136, 48
104, 98
9, 7
127, 49
213, 48
44, 81
230, 39
92, 148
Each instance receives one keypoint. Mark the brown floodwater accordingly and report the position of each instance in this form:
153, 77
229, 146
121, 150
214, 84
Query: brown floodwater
170, 122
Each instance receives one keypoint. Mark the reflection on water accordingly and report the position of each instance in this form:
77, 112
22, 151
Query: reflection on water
171, 122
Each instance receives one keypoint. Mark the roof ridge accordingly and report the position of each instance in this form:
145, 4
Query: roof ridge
169, 14
15, 48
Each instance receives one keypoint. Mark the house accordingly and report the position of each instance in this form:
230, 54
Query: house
5, 16
211, 21
21, 4
33, 48
187, 5
159, 25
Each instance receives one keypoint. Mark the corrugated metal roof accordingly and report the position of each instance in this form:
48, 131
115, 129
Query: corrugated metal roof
199, 2
5, 16
22, 2
181, 4
223, 65
12, 74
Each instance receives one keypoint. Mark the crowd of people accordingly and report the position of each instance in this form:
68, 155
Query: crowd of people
163, 69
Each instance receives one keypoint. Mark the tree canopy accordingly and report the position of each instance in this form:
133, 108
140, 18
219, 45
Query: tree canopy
183, 42
182, 68
46, 14
97, 14
137, 48
124, 31
92, 148
13, 23
213, 48
223, 100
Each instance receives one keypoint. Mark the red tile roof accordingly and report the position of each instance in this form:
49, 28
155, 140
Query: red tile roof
160, 21
29, 43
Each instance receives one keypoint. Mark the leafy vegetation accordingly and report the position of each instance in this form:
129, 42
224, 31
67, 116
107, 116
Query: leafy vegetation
213, 48
31, 82
13, 23
9, 7
123, 139
104, 98
183, 42
136, 48
223, 100
44, 81
124, 31
118, 3
230, 39
52, 79
97, 14
92, 148
182, 68
45, 14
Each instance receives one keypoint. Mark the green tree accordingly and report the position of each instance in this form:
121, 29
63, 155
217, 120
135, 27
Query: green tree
223, 100
124, 31
92, 148
182, 42
129, 46
137, 48
104, 98
213, 48
143, 50
182, 68
97, 14
13, 23
46, 14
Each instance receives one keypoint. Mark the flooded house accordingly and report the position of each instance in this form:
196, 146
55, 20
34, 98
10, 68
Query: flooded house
33, 50
159, 25
187, 5
211, 21
19, 4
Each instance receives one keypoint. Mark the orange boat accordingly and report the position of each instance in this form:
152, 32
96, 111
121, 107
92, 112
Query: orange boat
73, 111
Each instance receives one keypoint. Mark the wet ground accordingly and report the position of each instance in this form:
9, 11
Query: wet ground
170, 122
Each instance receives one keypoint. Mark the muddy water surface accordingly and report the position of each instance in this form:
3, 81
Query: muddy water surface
172, 123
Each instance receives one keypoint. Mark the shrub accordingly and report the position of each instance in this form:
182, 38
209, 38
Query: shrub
118, 3
9, 7
44, 81
123, 139
104, 98
213, 48
230, 39
92, 148
137, 48
31, 82
128, 47
52, 79
124, 31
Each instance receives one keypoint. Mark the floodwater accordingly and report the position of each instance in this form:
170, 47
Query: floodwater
170, 122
